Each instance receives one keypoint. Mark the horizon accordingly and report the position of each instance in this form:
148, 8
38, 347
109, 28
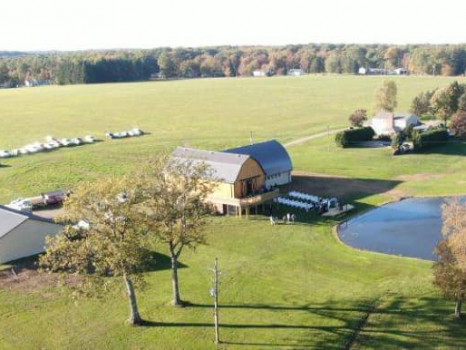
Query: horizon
233, 46
141, 24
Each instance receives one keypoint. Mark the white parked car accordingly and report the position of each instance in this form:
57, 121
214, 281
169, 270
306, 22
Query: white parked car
89, 139
20, 204
5, 154
65, 142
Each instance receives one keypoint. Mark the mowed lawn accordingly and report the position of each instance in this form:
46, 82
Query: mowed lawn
284, 286
209, 113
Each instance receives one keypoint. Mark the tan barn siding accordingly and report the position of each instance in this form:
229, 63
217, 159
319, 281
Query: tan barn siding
250, 170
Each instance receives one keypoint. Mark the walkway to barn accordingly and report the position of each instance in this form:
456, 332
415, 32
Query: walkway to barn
311, 137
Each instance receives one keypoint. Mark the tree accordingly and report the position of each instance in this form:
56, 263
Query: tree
176, 209
385, 98
111, 246
397, 140
166, 65
358, 117
462, 103
458, 124
421, 103
450, 269
442, 104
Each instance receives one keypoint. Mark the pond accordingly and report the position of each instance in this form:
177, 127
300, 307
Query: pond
411, 227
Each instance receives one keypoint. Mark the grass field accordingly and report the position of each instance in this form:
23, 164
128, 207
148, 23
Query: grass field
284, 287
210, 113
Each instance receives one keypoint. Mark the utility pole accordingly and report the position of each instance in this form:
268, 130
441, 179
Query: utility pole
214, 294
250, 138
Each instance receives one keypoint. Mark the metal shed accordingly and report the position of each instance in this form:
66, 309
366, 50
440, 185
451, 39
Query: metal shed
23, 234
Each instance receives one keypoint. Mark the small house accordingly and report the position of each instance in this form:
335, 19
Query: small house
23, 234
272, 157
296, 72
259, 73
388, 123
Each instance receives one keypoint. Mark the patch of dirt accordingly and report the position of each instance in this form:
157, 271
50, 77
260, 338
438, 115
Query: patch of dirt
25, 277
420, 177
341, 187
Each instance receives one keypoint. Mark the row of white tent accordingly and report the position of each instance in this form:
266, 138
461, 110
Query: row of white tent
294, 203
52, 143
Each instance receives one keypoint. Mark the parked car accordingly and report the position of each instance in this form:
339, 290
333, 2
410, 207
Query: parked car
5, 154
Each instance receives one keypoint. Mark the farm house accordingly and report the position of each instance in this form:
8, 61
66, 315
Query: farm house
240, 180
387, 123
23, 234
272, 157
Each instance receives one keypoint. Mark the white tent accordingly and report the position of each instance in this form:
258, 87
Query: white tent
23, 234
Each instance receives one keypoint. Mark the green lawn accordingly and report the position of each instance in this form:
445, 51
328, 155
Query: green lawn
210, 113
284, 287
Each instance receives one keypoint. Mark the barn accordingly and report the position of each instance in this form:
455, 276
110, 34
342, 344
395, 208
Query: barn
272, 157
23, 234
240, 180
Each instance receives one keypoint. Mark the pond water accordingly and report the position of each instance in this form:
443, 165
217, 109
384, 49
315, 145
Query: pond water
411, 227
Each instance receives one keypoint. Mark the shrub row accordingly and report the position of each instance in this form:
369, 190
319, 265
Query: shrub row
429, 139
350, 137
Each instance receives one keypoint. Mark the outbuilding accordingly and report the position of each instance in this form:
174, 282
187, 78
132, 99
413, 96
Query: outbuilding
272, 157
23, 234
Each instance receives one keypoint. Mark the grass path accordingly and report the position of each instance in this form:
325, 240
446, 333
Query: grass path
311, 137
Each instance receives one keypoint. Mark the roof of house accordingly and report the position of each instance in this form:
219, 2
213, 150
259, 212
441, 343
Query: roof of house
404, 115
10, 219
225, 166
271, 155
384, 115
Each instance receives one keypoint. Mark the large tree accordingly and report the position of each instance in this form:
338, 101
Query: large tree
110, 245
385, 97
176, 209
450, 269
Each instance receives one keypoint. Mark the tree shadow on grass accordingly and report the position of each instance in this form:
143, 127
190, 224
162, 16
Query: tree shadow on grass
161, 262
345, 189
393, 322
452, 148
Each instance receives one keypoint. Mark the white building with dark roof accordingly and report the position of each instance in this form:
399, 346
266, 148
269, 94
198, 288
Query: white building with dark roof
388, 123
23, 234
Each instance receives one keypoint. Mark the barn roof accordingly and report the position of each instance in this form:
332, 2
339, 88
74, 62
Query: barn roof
224, 166
10, 219
271, 155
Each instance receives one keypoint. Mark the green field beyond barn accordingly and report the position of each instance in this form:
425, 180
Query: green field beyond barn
284, 286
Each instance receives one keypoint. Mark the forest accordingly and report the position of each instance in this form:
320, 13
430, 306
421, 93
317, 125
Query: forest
100, 66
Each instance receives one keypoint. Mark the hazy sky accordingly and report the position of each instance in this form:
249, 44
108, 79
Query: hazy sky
95, 24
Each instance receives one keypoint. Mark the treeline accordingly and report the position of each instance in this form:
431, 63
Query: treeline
225, 61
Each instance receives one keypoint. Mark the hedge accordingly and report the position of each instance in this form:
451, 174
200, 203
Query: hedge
350, 137
430, 139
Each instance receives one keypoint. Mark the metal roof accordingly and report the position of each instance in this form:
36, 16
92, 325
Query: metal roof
271, 155
224, 166
10, 219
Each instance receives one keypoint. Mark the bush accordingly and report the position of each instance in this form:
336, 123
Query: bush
458, 125
349, 137
429, 139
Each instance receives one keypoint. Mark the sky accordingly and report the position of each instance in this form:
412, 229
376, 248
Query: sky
32, 25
